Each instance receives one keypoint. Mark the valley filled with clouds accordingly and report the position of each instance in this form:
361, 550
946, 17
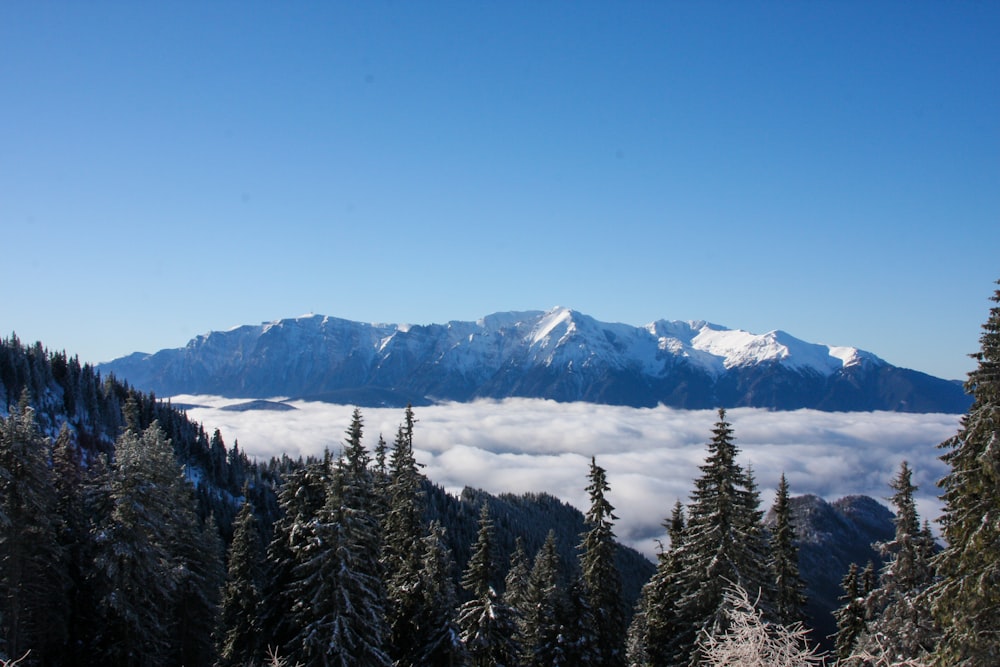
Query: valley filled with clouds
651, 454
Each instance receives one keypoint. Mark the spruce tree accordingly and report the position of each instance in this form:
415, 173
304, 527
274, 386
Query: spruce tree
339, 603
200, 565
440, 642
653, 627
301, 497
137, 567
542, 620
853, 615
900, 621
515, 593
402, 528
789, 589
487, 624
966, 600
239, 631
850, 616
723, 545
578, 633
600, 574
33, 577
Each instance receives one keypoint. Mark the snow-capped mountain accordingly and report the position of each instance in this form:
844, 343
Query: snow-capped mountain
559, 354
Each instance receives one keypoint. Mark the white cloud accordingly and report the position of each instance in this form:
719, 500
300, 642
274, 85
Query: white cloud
651, 455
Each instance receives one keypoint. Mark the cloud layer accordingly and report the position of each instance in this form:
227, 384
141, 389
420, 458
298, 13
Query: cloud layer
651, 454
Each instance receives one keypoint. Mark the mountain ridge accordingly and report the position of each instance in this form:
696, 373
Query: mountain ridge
559, 354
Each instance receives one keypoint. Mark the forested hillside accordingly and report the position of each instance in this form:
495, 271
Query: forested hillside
132, 537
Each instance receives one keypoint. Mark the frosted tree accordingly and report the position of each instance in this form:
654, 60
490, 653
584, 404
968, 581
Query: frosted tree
600, 574
751, 641
966, 600
486, 623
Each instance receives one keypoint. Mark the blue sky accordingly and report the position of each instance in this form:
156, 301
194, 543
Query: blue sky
830, 169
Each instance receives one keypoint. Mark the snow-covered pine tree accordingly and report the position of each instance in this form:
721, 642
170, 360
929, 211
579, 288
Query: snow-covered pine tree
651, 633
338, 601
600, 573
578, 634
239, 628
900, 622
136, 564
723, 545
301, 496
543, 601
789, 589
33, 578
200, 566
515, 591
486, 623
441, 643
966, 600
850, 616
402, 531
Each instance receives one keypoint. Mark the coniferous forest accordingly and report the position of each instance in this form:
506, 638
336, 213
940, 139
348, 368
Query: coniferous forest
130, 536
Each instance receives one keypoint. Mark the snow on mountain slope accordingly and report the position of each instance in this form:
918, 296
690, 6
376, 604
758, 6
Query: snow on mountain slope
560, 354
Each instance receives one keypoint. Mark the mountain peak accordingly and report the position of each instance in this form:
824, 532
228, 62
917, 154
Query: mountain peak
559, 354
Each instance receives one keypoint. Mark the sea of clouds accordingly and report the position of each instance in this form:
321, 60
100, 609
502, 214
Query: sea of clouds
651, 454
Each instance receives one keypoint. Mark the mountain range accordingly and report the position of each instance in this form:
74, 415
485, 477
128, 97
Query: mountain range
559, 354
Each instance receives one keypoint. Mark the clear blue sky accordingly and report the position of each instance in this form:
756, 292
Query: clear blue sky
827, 168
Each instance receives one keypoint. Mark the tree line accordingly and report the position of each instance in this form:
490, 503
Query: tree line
114, 553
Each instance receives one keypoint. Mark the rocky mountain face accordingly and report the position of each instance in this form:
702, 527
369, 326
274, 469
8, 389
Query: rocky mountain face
831, 536
560, 354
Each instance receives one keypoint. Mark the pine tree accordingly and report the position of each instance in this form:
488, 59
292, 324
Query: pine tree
515, 594
854, 614
440, 641
74, 535
654, 625
239, 633
486, 623
33, 578
136, 564
543, 602
199, 563
789, 596
900, 621
578, 631
402, 529
850, 616
301, 497
966, 600
339, 604
723, 545
600, 574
